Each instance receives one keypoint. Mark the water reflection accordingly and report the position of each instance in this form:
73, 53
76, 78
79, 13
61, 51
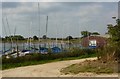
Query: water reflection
22, 46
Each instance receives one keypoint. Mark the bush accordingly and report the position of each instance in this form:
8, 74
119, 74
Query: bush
108, 53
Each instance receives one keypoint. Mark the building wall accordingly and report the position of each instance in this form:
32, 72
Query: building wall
101, 41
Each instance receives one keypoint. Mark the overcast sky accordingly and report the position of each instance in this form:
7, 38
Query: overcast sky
64, 18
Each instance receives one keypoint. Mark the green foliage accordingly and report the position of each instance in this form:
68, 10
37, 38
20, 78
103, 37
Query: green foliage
95, 33
69, 37
114, 31
112, 50
114, 41
85, 33
14, 38
35, 38
45, 37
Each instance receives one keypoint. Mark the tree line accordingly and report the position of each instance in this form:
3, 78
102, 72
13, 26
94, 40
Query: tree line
36, 38
21, 38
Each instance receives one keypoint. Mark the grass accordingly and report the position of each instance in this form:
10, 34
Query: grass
36, 62
91, 66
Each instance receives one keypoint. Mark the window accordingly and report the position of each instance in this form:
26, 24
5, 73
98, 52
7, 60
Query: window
92, 43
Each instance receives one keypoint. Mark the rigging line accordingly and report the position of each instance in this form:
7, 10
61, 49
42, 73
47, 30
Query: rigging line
9, 29
15, 30
16, 39
8, 25
4, 27
5, 34
15, 34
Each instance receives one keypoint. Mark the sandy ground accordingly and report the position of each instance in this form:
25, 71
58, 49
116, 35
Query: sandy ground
0, 74
50, 70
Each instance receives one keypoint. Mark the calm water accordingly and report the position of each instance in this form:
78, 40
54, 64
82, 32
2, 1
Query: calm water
21, 46
36, 45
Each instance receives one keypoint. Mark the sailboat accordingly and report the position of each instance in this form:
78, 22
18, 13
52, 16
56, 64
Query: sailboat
62, 41
28, 50
12, 51
5, 51
15, 52
56, 49
3, 43
44, 50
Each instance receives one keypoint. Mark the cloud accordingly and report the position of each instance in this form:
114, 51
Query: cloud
69, 18
10, 4
60, 0
0, 19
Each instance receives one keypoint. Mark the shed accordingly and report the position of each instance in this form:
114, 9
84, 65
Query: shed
93, 41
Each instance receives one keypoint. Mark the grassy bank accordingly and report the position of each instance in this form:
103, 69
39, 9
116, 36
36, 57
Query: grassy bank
91, 66
41, 59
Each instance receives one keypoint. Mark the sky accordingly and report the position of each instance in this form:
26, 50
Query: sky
64, 18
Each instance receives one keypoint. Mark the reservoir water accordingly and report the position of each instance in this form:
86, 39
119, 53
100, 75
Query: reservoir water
22, 46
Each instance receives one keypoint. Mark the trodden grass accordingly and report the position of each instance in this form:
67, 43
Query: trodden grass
94, 66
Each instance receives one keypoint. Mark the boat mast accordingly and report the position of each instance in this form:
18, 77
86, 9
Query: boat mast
88, 38
69, 38
46, 28
56, 33
16, 42
62, 42
56, 36
39, 23
30, 36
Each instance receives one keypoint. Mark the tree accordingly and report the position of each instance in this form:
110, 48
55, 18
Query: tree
69, 37
112, 50
114, 31
95, 33
16, 37
85, 33
44, 37
35, 38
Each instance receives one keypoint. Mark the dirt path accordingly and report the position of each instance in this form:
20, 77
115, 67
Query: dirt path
49, 70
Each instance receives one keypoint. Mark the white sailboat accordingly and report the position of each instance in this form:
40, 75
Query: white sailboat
29, 50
